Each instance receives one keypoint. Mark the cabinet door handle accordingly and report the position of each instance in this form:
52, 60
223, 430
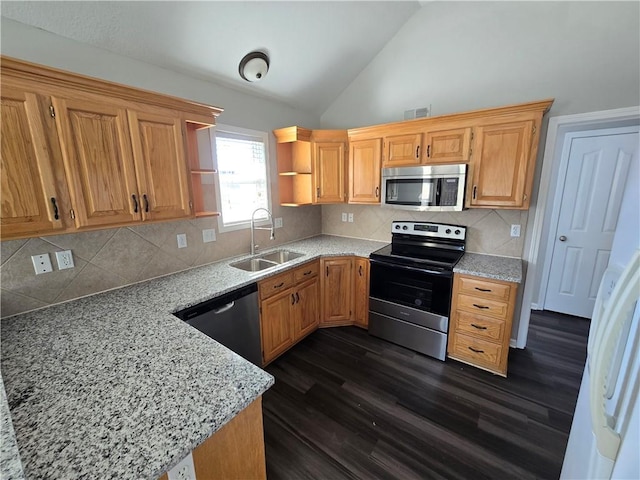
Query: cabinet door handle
480, 306
135, 204
478, 326
297, 297
293, 299
146, 202
55, 209
483, 289
428, 151
279, 285
360, 270
327, 270
377, 192
475, 189
318, 192
418, 151
474, 350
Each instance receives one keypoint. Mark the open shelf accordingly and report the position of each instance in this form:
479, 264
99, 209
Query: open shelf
295, 169
201, 168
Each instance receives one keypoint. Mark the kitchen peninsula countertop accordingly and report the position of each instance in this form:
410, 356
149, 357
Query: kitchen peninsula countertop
114, 386
508, 269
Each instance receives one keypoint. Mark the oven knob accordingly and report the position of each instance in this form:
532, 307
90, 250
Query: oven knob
404, 227
397, 227
448, 231
457, 232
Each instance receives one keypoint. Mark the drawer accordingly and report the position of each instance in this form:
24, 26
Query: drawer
476, 351
306, 271
274, 285
478, 326
483, 306
484, 288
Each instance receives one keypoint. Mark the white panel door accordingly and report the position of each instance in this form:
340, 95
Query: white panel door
595, 181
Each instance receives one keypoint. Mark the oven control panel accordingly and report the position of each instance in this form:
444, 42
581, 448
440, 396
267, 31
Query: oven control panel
429, 229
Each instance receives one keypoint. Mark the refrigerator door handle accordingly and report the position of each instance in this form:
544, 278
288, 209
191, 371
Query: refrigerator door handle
623, 298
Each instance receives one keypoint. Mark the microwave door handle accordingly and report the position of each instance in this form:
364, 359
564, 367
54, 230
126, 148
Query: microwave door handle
438, 180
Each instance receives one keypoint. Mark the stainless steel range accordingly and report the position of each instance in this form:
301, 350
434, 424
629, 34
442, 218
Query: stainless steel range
411, 281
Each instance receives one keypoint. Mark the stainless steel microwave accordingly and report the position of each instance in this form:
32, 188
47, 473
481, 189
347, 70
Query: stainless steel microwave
437, 188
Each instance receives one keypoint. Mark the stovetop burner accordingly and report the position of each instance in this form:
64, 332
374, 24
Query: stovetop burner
424, 244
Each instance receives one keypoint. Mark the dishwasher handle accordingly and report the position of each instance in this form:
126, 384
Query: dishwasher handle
224, 308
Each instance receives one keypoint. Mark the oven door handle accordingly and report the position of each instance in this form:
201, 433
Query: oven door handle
433, 270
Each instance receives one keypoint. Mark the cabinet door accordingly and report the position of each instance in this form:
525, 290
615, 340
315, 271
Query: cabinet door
447, 146
337, 288
329, 172
30, 202
161, 168
361, 293
275, 324
364, 171
98, 162
402, 150
307, 311
501, 158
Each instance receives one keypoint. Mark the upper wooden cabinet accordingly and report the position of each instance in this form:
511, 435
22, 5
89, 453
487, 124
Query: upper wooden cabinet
503, 163
447, 145
364, 171
161, 169
93, 153
402, 150
30, 198
329, 172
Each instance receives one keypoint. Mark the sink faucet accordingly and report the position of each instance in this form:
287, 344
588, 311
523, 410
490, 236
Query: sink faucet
254, 228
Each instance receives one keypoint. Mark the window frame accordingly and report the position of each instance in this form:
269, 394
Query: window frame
264, 136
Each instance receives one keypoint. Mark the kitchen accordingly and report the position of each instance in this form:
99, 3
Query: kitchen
107, 259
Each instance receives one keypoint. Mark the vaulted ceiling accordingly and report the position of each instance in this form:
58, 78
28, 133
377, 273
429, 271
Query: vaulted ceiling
316, 48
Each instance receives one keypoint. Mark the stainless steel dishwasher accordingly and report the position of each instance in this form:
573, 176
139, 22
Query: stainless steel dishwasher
233, 319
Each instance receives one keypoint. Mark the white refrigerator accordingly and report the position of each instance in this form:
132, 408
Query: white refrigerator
604, 439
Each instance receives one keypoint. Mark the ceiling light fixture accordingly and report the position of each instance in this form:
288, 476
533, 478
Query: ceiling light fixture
254, 66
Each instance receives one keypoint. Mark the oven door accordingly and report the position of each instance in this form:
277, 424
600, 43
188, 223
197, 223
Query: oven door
423, 289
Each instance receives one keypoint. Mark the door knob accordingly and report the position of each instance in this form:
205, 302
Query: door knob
562, 238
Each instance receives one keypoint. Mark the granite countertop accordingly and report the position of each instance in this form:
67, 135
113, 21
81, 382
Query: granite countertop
507, 269
114, 386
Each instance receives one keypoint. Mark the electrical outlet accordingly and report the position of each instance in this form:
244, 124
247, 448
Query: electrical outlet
351, 218
344, 217
184, 470
208, 235
42, 263
64, 259
277, 222
515, 230
182, 240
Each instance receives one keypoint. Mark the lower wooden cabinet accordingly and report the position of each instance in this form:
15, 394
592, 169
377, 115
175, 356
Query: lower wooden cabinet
361, 293
336, 291
234, 451
288, 309
481, 319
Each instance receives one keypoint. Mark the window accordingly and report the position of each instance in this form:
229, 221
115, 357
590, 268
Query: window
241, 160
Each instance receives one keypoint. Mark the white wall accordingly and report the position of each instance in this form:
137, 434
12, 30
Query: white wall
460, 56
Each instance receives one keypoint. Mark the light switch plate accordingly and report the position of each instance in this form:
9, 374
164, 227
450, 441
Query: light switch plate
42, 263
64, 259
351, 218
208, 235
182, 240
277, 223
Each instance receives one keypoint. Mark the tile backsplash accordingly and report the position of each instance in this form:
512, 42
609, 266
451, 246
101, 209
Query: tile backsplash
488, 231
112, 258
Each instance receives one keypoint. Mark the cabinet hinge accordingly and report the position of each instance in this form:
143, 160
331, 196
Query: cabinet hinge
471, 135
73, 214
470, 152
191, 207
534, 130
52, 111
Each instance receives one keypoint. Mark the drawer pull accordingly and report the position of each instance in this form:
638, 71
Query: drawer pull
297, 297
475, 350
478, 327
483, 289
308, 273
480, 306
279, 285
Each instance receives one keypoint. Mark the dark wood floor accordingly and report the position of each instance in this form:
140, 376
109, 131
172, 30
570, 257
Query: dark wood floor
348, 405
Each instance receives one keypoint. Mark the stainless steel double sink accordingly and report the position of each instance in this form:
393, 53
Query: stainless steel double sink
266, 260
